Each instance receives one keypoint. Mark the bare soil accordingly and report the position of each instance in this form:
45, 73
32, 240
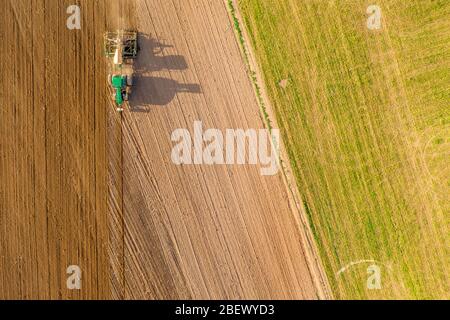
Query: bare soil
53, 185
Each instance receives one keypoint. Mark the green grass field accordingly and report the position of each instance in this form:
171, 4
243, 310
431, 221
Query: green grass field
365, 116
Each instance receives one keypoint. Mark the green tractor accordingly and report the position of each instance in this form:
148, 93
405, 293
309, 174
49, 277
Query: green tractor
121, 87
122, 48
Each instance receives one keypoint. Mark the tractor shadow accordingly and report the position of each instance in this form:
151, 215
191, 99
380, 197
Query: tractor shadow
149, 90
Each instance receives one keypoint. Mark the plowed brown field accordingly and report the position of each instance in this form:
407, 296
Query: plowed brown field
53, 151
77, 178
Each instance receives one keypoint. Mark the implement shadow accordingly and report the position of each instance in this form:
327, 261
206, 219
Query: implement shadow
150, 91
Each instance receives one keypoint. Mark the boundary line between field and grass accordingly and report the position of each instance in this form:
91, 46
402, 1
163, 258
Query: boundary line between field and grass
311, 251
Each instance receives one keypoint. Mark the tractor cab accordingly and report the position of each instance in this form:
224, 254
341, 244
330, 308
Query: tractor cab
119, 83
